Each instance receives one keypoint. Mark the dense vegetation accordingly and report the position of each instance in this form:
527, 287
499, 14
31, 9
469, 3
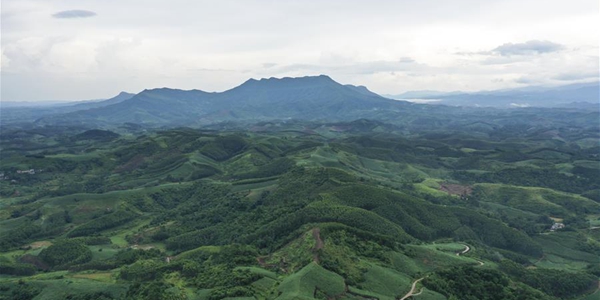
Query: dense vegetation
66, 252
297, 210
476, 284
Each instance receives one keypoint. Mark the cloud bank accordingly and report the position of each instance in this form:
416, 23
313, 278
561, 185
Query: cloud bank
72, 14
527, 48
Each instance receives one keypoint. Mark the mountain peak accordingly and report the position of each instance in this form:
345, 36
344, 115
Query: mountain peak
289, 81
172, 92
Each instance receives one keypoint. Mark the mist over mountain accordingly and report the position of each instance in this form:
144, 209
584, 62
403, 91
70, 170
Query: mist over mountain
122, 96
532, 96
30, 111
314, 98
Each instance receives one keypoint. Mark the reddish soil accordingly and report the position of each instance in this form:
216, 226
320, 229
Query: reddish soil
131, 165
308, 130
456, 189
34, 260
261, 261
282, 265
339, 128
541, 258
317, 236
36, 245
319, 244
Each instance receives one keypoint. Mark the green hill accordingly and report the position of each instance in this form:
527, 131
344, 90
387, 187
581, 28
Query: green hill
295, 210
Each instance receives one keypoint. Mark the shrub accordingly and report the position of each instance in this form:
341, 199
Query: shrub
66, 252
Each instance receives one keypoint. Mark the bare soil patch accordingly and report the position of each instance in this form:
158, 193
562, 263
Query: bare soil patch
40, 244
316, 232
456, 189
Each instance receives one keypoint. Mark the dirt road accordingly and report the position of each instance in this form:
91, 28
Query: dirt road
412, 289
467, 249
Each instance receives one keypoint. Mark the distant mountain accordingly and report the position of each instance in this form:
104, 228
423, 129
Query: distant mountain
75, 104
313, 98
308, 98
581, 105
37, 104
532, 96
31, 111
425, 94
122, 96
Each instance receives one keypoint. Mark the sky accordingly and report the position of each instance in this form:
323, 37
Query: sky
93, 49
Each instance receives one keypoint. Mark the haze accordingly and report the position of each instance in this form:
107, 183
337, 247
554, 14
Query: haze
74, 50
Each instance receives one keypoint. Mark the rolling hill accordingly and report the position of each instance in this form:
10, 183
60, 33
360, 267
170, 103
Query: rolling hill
297, 210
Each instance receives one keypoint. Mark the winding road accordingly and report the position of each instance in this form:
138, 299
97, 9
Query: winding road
412, 289
467, 249
414, 284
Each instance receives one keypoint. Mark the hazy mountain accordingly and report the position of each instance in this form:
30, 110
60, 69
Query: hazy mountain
308, 98
581, 105
37, 104
30, 111
122, 96
316, 97
76, 104
532, 96
424, 94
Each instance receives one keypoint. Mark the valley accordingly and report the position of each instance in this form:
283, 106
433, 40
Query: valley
298, 210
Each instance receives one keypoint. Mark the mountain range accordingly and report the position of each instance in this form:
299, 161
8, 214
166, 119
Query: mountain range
317, 97
311, 98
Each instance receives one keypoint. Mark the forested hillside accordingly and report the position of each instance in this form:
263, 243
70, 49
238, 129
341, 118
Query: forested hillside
300, 210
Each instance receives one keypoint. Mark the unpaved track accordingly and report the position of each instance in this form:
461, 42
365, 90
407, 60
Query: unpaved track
412, 289
414, 284
597, 289
467, 249
541, 258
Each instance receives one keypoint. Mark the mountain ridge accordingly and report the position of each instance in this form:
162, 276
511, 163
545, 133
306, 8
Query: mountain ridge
304, 97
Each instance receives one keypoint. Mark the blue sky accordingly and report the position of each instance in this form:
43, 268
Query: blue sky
90, 49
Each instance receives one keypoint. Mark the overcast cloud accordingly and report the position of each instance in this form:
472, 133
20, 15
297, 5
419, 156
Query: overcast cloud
87, 49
